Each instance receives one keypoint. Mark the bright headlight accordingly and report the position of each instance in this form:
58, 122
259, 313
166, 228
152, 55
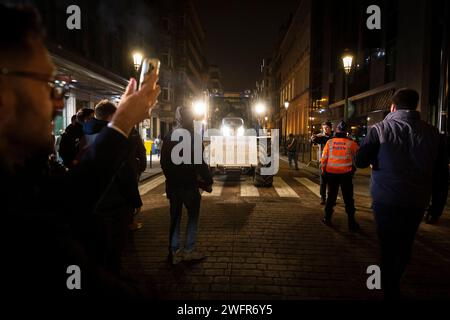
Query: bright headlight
226, 131
240, 131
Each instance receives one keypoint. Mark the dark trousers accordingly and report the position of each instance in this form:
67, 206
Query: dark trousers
396, 229
345, 182
293, 156
190, 198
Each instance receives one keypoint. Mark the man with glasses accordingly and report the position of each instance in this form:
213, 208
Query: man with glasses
43, 212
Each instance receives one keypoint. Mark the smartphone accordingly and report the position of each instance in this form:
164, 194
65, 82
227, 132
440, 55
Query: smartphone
147, 67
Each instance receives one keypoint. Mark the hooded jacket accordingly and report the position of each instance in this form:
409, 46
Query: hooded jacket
123, 190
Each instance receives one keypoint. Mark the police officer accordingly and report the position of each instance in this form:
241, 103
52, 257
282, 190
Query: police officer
337, 166
322, 139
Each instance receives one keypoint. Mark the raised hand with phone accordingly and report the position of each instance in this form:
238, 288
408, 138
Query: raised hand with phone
136, 105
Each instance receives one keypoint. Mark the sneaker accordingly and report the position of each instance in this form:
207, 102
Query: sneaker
193, 255
135, 226
326, 221
175, 257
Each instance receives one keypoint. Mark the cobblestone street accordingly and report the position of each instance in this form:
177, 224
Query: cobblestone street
269, 243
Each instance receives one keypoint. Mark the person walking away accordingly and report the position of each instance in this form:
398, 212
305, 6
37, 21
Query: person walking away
338, 168
292, 145
408, 162
321, 139
182, 188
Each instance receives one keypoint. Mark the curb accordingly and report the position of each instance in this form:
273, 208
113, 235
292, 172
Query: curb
150, 177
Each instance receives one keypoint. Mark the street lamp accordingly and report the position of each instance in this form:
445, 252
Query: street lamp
199, 108
347, 60
137, 60
260, 109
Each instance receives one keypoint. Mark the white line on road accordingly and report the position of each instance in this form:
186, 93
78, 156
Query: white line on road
283, 189
217, 190
152, 184
248, 189
313, 187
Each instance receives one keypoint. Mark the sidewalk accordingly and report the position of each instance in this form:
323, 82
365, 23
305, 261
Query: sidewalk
152, 170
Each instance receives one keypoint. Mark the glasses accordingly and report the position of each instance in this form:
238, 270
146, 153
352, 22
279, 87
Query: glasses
57, 91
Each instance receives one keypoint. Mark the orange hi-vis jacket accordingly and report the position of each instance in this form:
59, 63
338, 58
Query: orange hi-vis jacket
338, 155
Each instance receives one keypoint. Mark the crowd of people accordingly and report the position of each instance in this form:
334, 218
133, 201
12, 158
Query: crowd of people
104, 156
57, 228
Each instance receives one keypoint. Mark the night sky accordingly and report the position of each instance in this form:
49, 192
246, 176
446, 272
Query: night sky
240, 33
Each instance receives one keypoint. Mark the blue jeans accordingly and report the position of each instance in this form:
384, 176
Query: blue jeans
190, 198
396, 229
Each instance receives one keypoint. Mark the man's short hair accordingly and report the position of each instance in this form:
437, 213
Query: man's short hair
327, 123
105, 109
18, 24
406, 99
83, 114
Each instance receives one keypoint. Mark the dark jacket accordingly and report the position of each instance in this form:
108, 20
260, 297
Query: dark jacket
182, 176
41, 215
68, 146
407, 160
292, 145
321, 139
123, 190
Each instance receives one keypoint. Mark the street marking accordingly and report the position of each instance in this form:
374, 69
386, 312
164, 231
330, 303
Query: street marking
152, 184
248, 189
217, 190
312, 186
283, 189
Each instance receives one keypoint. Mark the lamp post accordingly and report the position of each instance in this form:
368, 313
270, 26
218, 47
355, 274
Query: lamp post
137, 62
260, 109
347, 60
286, 106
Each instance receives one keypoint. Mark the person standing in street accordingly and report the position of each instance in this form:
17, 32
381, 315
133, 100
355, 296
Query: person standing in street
292, 145
338, 168
182, 188
408, 161
321, 139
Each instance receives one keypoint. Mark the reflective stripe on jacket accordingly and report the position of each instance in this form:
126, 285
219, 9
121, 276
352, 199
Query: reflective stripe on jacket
338, 155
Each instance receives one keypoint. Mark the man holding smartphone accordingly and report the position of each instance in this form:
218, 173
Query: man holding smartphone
41, 205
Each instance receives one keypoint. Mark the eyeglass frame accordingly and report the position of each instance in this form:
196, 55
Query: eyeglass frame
57, 91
